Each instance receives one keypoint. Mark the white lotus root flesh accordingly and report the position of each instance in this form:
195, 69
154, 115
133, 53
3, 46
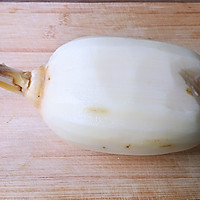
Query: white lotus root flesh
117, 95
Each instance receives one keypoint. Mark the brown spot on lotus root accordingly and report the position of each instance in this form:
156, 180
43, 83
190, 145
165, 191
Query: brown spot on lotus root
189, 91
128, 146
103, 147
166, 146
96, 110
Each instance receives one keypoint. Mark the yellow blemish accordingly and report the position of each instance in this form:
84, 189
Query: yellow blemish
161, 143
96, 110
35, 89
156, 141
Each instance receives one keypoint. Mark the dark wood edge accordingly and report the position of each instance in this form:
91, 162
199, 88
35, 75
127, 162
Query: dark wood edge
113, 1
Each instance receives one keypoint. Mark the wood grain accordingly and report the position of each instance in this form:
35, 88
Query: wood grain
34, 162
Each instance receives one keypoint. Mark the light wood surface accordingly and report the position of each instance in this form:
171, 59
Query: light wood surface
37, 164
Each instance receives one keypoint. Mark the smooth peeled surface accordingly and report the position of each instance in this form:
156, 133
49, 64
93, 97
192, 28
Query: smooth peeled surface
121, 95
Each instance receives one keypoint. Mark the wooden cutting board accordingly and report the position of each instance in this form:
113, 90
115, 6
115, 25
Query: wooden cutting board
37, 164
